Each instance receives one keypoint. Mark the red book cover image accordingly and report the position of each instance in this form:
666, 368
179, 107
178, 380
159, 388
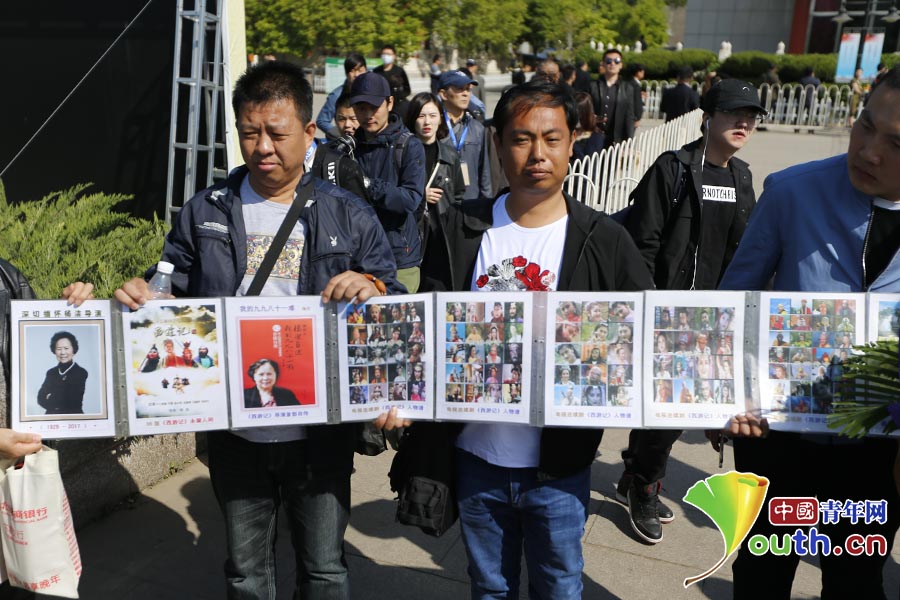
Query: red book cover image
288, 343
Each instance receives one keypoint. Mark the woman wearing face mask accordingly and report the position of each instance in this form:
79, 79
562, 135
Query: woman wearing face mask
397, 79
443, 176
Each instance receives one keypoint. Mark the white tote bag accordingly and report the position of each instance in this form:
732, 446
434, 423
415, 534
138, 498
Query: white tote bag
38, 536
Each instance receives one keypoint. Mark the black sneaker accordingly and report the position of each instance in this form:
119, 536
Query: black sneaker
643, 514
665, 513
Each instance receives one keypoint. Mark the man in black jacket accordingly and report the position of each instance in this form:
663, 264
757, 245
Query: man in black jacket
393, 161
517, 484
688, 215
614, 101
681, 98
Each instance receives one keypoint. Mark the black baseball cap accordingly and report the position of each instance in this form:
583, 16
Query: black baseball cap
732, 94
371, 88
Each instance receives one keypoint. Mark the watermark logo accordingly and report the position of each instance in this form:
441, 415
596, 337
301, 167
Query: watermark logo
732, 500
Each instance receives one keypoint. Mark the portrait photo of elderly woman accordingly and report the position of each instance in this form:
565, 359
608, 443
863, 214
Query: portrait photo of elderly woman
62, 392
265, 394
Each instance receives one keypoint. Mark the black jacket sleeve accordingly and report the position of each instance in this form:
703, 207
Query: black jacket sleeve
651, 203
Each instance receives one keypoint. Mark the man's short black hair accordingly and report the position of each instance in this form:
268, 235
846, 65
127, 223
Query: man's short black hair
612, 51
808, 71
566, 72
388, 47
272, 81
685, 73
343, 101
354, 60
522, 98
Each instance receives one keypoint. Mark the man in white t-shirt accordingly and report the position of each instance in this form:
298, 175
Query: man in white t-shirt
337, 249
516, 485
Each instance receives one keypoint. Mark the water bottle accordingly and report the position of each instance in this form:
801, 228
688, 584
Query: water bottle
160, 285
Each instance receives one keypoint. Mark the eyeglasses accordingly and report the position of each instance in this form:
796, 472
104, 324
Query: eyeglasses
751, 117
612, 61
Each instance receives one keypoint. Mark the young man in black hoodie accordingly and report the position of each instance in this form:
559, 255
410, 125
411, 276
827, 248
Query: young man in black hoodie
518, 485
689, 212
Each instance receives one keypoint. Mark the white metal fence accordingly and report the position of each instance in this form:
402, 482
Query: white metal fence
605, 180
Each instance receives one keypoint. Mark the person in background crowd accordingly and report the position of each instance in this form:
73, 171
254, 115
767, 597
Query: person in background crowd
476, 103
466, 134
588, 140
636, 74
435, 72
614, 100
809, 79
345, 117
681, 98
396, 78
582, 77
443, 177
393, 161
354, 65
854, 197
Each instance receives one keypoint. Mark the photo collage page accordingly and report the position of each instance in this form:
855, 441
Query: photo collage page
594, 354
807, 338
387, 352
483, 349
693, 355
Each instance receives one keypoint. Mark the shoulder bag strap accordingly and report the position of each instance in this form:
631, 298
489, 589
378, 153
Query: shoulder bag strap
262, 274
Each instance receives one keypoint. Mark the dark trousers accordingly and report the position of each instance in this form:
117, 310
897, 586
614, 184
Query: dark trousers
647, 454
798, 466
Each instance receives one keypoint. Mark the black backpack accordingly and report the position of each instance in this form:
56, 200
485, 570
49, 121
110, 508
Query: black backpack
620, 216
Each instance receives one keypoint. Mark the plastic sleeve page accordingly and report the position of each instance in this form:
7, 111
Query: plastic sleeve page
62, 369
276, 354
174, 367
594, 350
693, 379
386, 357
484, 356
802, 338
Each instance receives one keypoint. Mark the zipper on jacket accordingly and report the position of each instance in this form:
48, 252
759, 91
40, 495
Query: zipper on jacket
866, 246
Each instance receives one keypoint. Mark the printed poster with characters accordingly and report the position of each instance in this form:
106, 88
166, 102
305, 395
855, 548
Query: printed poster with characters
61, 369
174, 367
803, 337
484, 357
276, 350
387, 357
593, 379
693, 344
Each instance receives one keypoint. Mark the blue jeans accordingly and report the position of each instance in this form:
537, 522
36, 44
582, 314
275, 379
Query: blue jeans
250, 481
500, 509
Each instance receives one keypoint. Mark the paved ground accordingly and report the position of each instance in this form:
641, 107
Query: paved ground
168, 542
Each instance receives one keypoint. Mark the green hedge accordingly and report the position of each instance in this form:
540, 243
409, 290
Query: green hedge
77, 236
751, 66
659, 63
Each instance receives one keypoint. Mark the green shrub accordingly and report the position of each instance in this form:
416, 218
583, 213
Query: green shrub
751, 65
77, 236
664, 64
659, 62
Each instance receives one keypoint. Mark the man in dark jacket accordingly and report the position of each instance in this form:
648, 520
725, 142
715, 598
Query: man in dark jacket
614, 100
466, 134
216, 245
575, 248
690, 211
393, 161
681, 98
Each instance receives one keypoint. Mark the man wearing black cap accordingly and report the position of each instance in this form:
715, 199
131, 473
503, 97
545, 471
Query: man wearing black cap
393, 160
467, 135
688, 215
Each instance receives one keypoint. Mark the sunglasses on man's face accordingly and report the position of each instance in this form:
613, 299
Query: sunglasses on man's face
613, 61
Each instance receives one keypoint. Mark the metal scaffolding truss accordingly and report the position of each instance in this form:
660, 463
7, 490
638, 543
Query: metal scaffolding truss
197, 148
